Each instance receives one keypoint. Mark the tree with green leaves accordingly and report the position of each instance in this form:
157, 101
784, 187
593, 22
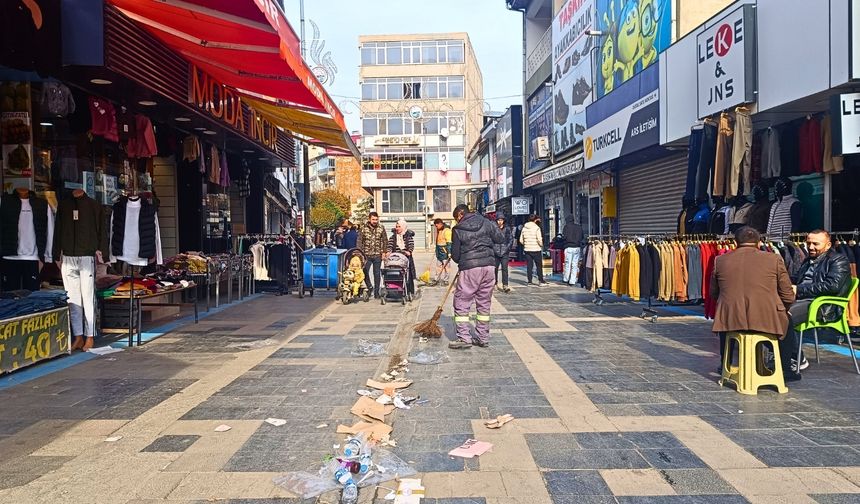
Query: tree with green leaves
328, 209
362, 210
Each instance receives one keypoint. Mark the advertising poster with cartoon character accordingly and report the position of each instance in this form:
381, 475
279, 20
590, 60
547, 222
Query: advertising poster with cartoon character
572, 76
634, 33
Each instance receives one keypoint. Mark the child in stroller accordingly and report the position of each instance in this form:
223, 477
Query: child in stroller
352, 278
395, 278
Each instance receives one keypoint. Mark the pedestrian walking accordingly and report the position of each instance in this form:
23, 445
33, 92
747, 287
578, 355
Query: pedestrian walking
531, 239
753, 293
350, 238
373, 241
403, 241
503, 252
573, 238
443, 250
473, 248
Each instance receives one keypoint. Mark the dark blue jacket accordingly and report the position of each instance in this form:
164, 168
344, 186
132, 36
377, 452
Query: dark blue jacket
474, 242
350, 239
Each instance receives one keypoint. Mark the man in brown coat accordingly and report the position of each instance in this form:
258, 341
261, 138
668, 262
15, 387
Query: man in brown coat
753, 292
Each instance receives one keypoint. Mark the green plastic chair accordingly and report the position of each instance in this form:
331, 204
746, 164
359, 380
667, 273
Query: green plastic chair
840, 326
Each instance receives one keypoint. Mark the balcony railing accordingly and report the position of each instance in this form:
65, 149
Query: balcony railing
539, 54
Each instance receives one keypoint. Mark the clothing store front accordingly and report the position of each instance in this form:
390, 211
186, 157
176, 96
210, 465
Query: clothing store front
594, 201
650, 191
759, 133
552, 193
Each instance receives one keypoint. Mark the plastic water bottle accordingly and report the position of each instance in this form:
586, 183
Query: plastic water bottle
342, 475
352, 447
350, 493
366, 461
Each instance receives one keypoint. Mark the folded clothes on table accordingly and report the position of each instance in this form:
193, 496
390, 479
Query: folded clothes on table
33, 303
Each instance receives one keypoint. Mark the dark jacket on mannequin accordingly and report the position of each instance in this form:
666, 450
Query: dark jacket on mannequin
145, 226
10, 210
81, 236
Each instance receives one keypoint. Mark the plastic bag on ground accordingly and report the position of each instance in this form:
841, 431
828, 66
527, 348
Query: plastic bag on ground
308, 485
429, 357
367, 348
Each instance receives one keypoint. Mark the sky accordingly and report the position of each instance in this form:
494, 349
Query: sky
495, 32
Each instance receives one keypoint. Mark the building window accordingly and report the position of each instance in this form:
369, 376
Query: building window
369, 127
455, 89
455, 52
392, 161
392, 54
368, 55
413, 52
412, 90
402, 200
461, 196
441, 200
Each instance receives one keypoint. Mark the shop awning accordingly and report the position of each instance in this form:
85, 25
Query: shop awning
246, 44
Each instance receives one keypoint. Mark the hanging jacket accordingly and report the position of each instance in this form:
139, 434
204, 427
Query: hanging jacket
145, 226
79, 235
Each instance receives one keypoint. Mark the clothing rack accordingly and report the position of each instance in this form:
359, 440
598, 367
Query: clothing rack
291, 260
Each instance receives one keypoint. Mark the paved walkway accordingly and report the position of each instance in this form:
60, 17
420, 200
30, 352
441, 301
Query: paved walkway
610, 409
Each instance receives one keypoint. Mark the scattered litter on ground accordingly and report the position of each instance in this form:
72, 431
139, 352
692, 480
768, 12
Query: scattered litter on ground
471, 448
223, 428
113, 439
499, 421
277, 422
367, 348
382, 386
373, 394
306, 484
740, 411
368, 409
409, 491
375, 430
304, 391
105, 350
429, 357
322, 426
399, 404
422, 401
384, 399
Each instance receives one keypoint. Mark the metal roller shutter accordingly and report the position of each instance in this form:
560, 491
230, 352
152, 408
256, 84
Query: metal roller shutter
649, 196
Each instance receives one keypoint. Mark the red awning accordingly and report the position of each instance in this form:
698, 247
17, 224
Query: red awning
246, 44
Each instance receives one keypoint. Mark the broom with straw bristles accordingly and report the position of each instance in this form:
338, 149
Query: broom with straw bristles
430, 328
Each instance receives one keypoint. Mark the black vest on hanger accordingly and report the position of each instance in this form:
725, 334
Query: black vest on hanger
10, 211
145, 226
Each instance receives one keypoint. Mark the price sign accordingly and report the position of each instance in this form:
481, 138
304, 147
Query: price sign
31, 338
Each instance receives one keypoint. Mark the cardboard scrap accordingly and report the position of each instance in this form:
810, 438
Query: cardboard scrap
366, 408
383, 385
376, 430
471, 448
277, 422
497, 422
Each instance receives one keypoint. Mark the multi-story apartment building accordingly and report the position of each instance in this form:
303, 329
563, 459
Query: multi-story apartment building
421, 108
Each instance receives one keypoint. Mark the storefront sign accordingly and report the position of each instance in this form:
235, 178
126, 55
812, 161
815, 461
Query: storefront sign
572, 77
31, 338
845, 111
397, 140
224, 104
571, 167
633, 128
519, 206
382, 174
726, 62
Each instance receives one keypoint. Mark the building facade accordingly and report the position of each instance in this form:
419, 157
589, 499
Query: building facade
332, 169
421, 108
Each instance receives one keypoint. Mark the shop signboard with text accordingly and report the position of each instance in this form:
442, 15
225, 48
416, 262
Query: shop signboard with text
726, 62
634, 32
633, 128
571, 74
519, 206
565, 169
845, 111
31, 338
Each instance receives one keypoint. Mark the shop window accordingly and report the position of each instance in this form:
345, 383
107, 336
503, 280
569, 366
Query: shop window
461, 196
441, 200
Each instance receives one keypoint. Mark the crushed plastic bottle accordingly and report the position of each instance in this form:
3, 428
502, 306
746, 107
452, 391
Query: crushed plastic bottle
350, 493
342, 475
352, 447
365, 460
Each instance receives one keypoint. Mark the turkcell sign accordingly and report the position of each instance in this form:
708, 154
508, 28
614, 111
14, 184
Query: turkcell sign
726, 62
632, 128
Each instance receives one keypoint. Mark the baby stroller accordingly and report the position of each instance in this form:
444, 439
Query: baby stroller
395, 279
351, 285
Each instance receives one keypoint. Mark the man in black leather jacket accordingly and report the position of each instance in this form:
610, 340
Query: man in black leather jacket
823, 273
473, 249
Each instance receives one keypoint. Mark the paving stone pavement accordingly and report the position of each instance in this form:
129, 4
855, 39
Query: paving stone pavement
609, 408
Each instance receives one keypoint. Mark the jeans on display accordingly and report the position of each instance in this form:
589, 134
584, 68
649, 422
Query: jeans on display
741, 153
474, 285
502, 262
376, 264
707, 156
571, 264
80, 283
534, 260
20, 274
695, 148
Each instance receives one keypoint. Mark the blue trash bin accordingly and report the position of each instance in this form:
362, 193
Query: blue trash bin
320, 268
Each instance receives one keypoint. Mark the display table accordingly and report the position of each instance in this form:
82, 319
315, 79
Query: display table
134, 313
28, 339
